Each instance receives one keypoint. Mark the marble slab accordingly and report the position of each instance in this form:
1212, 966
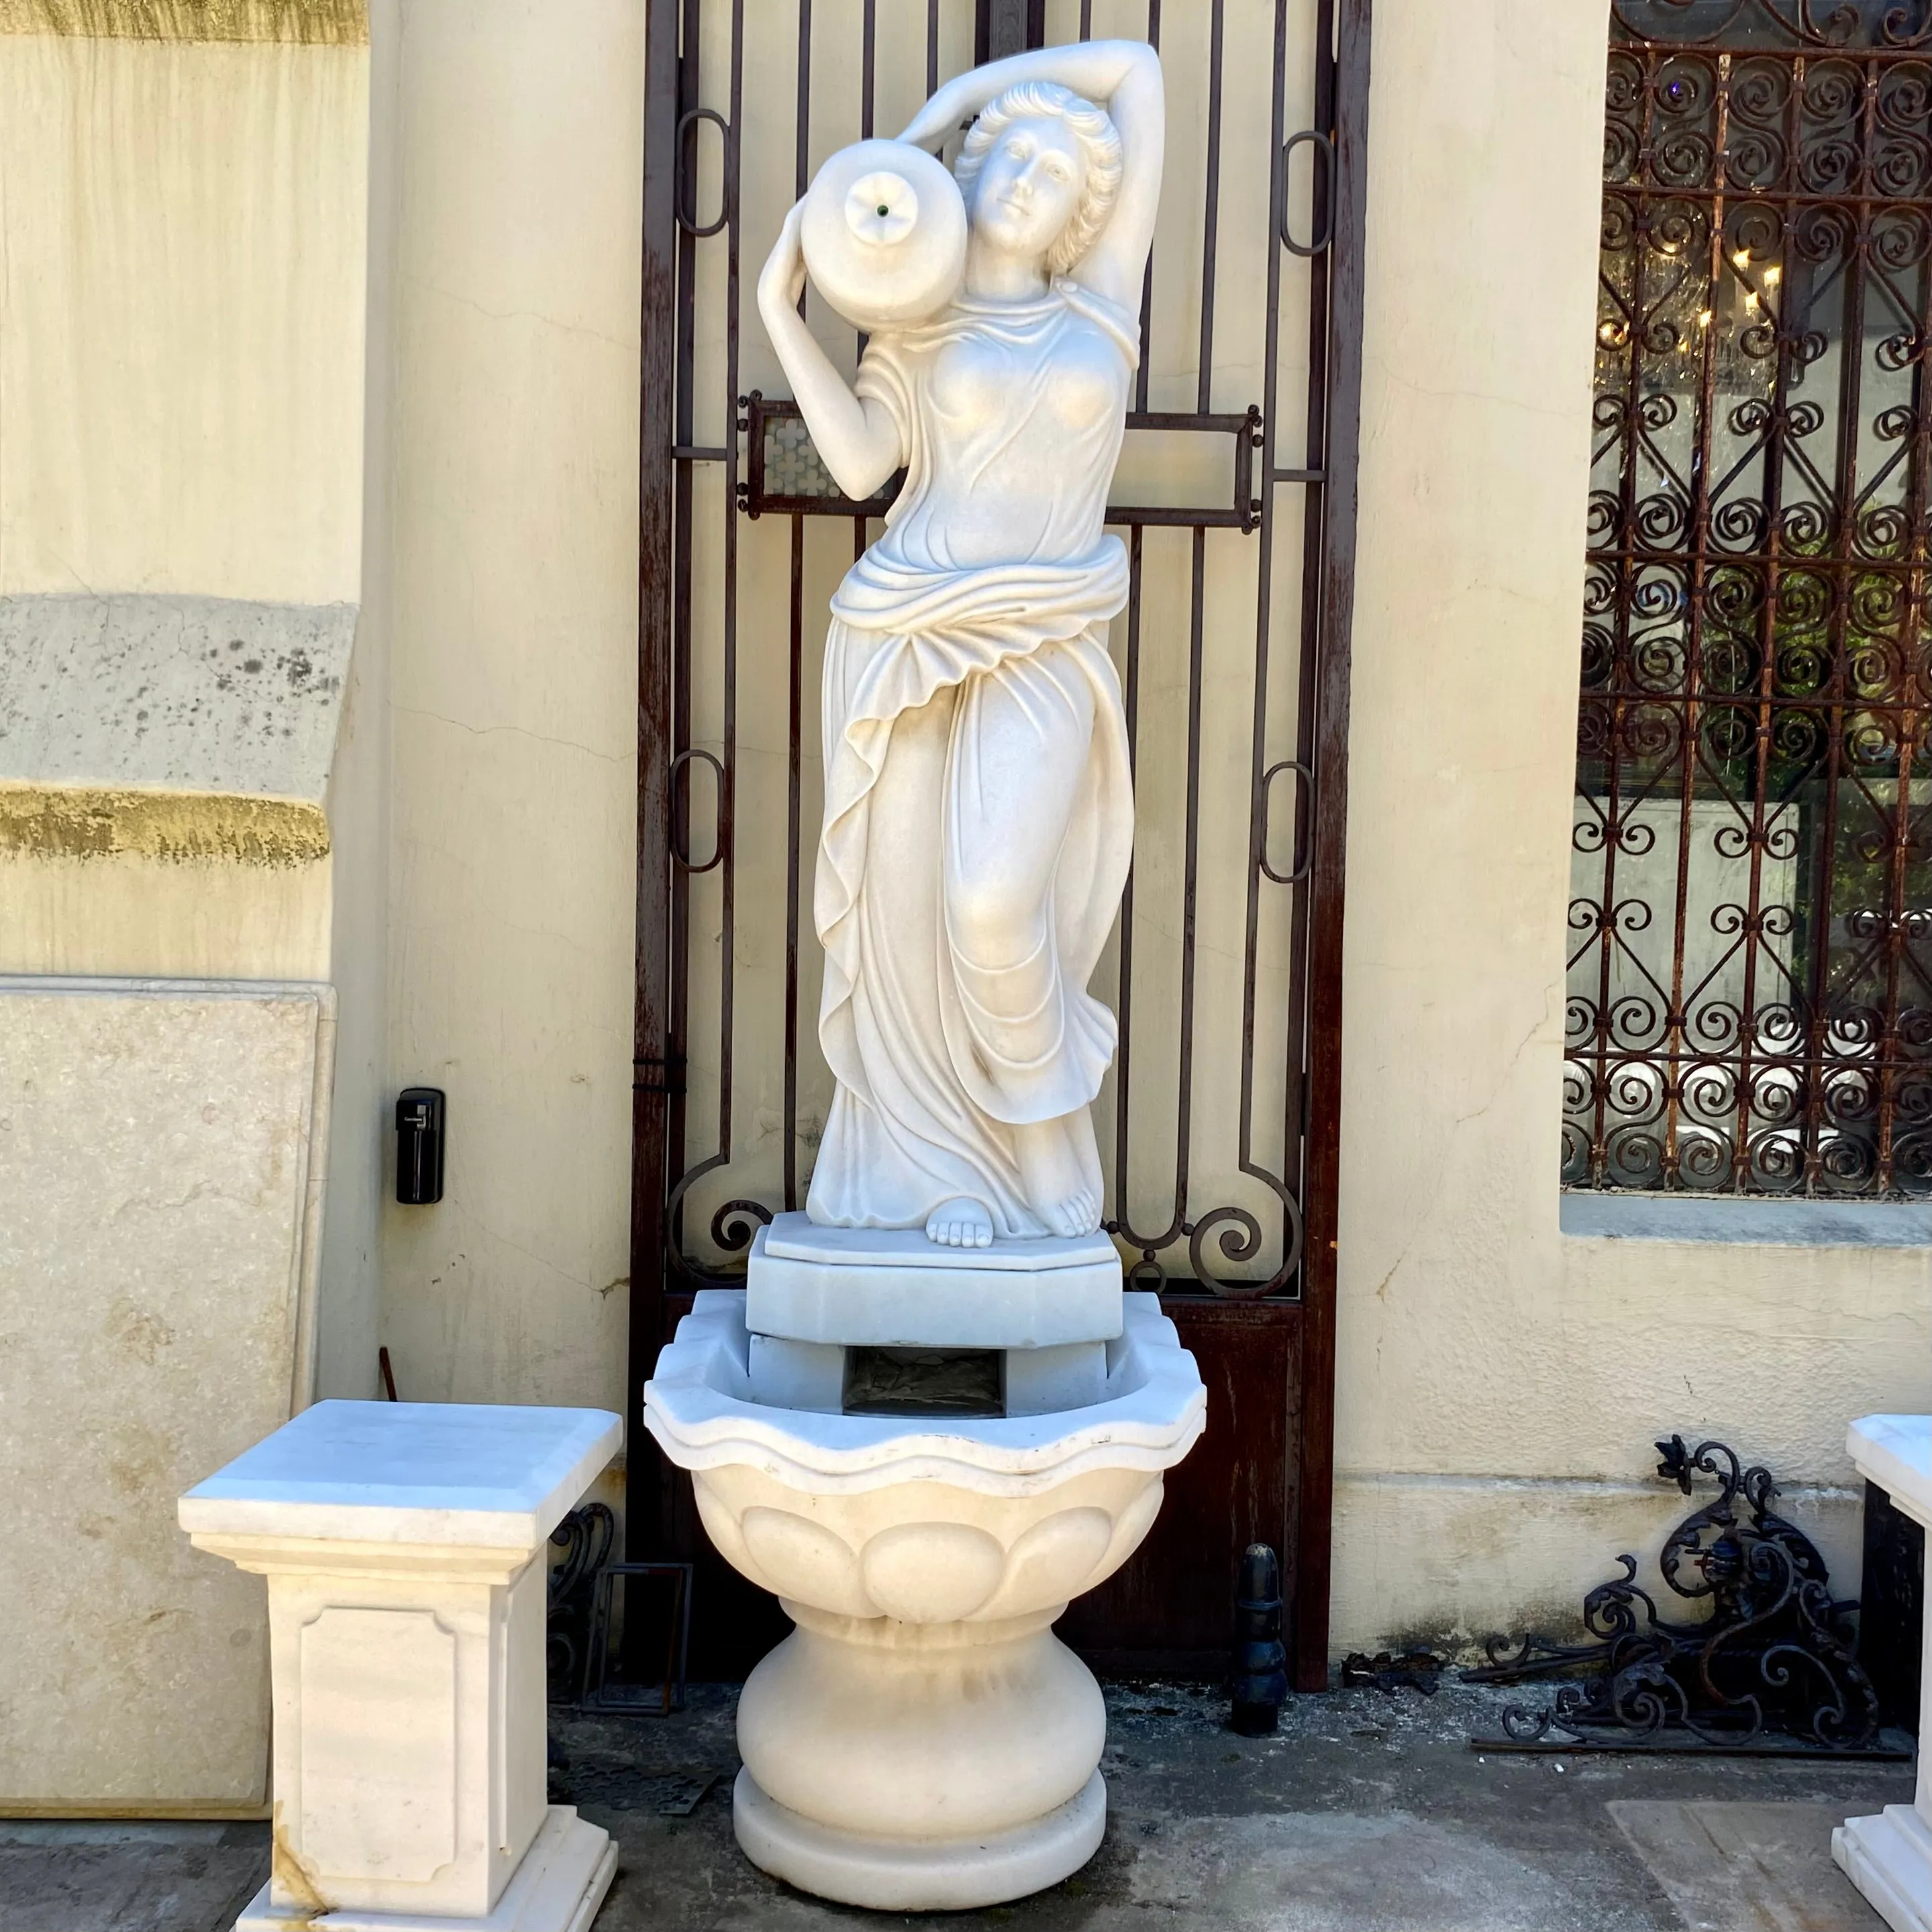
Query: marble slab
797, 1237
1888, 1856
558, 1887
892, 1287
161, 1196
475, 1475
1895, 1452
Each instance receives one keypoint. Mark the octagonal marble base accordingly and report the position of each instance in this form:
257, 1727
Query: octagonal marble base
922, 1740
892, 1287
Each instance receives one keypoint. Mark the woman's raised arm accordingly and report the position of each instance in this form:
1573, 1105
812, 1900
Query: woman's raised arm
1123, 77
856, 438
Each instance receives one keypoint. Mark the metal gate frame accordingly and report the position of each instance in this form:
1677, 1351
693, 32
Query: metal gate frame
654, 1520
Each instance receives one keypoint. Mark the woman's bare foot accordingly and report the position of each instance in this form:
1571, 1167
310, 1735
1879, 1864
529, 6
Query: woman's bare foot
963, 1223
1060, 1166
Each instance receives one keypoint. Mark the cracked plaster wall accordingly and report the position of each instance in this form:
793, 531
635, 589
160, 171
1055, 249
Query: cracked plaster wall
1498, 1384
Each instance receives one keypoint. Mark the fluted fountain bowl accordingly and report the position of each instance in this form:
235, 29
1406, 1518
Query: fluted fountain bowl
922, 1740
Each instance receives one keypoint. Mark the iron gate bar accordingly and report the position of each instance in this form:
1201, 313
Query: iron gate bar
663, 1173
756, 497
651, 1050
733, 1222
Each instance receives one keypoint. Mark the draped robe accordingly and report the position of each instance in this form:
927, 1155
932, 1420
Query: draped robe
979, 810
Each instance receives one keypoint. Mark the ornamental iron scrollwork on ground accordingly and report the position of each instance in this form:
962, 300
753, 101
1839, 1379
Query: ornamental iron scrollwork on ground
585, 1623
1750, 1005
1769, 1667
586, 1536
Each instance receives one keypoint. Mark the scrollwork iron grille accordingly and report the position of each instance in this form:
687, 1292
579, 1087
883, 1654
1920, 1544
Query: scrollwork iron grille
1749, 994
1218, 981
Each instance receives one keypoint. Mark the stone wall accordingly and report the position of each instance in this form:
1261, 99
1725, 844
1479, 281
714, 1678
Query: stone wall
180, 508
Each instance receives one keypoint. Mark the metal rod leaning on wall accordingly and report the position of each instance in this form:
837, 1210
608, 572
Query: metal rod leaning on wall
653, 1069
1347, 102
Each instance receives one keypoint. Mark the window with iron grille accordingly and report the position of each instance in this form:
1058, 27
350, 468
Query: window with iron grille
1750, 989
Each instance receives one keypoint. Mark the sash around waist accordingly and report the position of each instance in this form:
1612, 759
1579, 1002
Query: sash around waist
1056, 599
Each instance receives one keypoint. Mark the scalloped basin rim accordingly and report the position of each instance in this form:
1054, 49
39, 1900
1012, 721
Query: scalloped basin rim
697, 1406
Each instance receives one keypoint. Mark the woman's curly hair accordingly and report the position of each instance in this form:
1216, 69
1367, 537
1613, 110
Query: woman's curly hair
1099, 139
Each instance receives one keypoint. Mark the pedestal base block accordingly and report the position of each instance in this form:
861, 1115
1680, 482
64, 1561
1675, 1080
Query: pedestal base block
918, 1874
890, 1288
1889, 1857
558, 1887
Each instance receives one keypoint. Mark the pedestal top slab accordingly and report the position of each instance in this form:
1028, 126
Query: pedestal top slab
892, 1287
797, 1237
456, 1473
1895, 1452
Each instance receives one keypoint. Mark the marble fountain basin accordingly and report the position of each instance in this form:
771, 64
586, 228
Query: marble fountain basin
922, 1740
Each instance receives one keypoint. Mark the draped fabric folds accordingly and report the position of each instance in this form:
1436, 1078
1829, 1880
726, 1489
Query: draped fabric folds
979, 812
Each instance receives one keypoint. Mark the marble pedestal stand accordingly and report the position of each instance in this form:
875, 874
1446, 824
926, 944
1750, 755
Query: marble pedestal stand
922, 1740
401, 1542
1888, 1855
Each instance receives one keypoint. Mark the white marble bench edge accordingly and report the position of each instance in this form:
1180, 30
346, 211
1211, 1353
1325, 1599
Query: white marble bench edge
442, 1515
1895, 1452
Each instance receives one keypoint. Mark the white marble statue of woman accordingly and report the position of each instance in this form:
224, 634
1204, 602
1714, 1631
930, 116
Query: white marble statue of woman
979, 810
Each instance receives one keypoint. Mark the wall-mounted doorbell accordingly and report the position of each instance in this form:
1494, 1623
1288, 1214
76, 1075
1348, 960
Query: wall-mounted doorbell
419, 1118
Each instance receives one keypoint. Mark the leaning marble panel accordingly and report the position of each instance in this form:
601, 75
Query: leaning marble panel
161, 1187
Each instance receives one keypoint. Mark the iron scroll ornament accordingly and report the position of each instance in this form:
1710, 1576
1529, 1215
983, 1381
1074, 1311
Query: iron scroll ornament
1748, 1007
1773, 1661
1829, 25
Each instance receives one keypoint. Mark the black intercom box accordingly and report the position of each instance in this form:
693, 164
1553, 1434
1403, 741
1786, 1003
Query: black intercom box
420, 1112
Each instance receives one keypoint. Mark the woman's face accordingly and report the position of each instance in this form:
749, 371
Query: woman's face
1030, 184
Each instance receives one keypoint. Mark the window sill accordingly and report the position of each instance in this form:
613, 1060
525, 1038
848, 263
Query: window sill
1755, 1222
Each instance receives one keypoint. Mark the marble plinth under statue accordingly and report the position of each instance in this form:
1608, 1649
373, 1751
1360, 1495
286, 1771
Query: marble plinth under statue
933, 1417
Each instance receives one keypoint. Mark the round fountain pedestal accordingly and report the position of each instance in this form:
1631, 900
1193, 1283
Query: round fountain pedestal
922, 1740
860, 1735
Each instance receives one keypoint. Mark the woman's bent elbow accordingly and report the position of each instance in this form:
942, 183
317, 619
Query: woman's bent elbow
861, 476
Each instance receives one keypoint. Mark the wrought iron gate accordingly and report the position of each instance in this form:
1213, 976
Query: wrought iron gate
1236, 498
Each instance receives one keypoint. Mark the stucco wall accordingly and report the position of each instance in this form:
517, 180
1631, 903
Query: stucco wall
1499, 1383
512, 144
